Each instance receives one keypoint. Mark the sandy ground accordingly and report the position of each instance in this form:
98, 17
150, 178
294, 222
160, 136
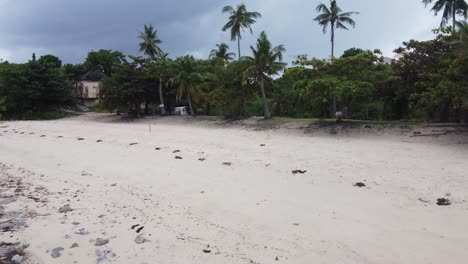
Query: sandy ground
231, 197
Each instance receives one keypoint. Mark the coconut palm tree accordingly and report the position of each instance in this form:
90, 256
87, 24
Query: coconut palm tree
162, 65
334, 17
150, 47
450, 9
187, 78
239, 20
222, 52
265, 61
150, 42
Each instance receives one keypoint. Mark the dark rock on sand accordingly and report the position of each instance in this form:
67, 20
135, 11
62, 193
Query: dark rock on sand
443, 202
359, 184
139, 229
299, 171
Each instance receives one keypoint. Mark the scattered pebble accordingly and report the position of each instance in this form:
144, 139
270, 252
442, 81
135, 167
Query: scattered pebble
140, 239
74, 245
65, 209
16, 259
359, 184
101, 242
56, 252
299, 171
82, 232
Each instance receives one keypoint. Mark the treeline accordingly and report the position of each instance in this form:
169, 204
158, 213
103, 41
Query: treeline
429, 80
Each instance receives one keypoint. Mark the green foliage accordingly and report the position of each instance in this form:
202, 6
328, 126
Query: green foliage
239, 20
128, 88
104, 61
35, 87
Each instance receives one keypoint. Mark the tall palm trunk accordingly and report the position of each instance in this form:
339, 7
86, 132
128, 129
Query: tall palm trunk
454, 17
332, 41
189, 96
161, 97
333, 114
266, 111
238, 48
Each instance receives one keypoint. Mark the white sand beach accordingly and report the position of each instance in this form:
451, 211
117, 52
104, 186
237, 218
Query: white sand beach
230, 195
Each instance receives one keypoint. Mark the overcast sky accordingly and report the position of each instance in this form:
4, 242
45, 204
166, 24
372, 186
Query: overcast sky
69, 29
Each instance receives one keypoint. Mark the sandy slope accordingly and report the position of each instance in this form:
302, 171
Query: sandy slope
253, 211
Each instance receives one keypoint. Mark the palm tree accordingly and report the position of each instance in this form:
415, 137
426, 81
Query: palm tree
265, 61
186, 78
162, 64
150, 42
222, 52
451, 8
239, 19
150, 46
334, 18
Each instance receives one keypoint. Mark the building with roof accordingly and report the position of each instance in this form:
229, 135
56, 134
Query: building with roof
87, 88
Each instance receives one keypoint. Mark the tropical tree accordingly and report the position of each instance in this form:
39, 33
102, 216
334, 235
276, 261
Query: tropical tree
104, 61
186, 78
450, 9
334, 17
222, 52
150, 46
150, 42
265, 61
239, 20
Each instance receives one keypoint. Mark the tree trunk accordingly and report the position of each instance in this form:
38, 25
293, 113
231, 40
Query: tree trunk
187, 91
332, 41
266, 111
242, 103
332, 58
238, 48
454, 17
161, 97
333, 114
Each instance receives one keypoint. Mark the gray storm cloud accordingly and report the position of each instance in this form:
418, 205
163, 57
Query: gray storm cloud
70, 29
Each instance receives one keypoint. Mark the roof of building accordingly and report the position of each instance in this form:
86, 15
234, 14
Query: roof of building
92, 76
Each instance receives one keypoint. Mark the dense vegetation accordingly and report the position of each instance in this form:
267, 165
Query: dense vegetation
428, 82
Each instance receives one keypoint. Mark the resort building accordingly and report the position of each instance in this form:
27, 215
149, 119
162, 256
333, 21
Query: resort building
87, 88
